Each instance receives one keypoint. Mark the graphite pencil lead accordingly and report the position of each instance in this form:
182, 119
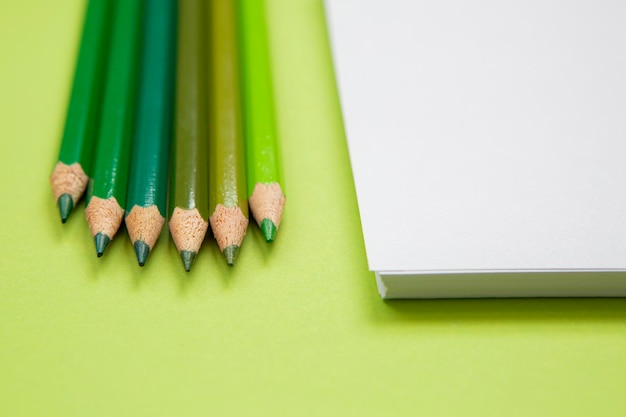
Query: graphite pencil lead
188, 257
142, 250
102, 241
66, 205
268, 228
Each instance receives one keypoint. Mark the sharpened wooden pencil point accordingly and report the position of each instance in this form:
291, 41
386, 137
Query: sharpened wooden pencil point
188, 257
144, 225
268, 228
104, 216
266, 204
102, 241
141, 250
68, 183
66, 205
231, 253
188, 229
229, 228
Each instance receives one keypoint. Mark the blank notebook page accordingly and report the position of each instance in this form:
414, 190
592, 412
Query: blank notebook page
486, 135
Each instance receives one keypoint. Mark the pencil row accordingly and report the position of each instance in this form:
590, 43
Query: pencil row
172, 101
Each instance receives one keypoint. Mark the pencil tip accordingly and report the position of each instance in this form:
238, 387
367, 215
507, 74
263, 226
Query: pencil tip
102, 241
142, 250
268, 228
230, 253
66, 205
188, 257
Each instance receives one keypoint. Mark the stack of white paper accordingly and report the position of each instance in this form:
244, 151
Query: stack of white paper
488, 143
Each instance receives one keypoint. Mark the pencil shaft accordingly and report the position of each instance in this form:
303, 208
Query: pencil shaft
70, 175
226, 150
83, 110
262, 153
110, 174
227, 176
147, 182
189, 212
265, 183
189, 186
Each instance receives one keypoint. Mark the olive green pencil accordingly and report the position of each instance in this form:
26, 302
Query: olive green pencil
265, 184
71, 173
227, 175
147, 181
106, 195
189, 211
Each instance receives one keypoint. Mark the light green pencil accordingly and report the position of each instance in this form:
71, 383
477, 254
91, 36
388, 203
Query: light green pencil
265, 185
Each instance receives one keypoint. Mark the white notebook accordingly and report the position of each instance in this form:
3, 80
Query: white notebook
488, 143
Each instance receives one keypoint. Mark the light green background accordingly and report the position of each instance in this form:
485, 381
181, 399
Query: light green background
294, 329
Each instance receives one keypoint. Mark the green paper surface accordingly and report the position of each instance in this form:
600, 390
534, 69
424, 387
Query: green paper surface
296, 328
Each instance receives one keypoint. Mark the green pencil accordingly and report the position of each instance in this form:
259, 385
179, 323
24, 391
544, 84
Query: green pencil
265, 184
71, 173
147, 181
106, 196
227, 176
189, 199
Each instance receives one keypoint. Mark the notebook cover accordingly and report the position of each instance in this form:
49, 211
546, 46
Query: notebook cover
485, 136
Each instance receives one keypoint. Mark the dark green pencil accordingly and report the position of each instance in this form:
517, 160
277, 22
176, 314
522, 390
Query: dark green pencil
147, 182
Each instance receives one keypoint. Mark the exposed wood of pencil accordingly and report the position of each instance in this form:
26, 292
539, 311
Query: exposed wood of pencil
147, 182
188, 229
111, 160
265, 188
227, 186
189, 199
70, 175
